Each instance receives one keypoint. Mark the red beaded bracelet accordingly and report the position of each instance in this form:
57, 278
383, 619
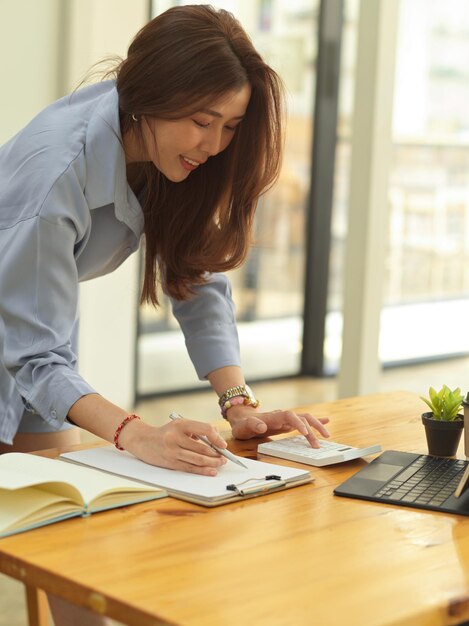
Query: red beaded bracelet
120, 427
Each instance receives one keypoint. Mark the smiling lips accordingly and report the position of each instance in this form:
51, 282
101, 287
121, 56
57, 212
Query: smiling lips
189, 164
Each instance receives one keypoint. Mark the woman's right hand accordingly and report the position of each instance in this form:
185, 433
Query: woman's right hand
175, 445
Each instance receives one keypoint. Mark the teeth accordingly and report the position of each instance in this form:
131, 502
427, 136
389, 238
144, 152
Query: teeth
190, 161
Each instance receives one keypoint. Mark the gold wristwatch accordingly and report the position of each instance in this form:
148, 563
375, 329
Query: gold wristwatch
239, 391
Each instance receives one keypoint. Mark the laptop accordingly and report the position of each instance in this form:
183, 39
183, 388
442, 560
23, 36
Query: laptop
416, 480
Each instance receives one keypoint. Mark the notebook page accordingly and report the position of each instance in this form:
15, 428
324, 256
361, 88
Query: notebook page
31, 506
209, 487
19, 470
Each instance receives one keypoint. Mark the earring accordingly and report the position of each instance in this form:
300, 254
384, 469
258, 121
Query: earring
135, 119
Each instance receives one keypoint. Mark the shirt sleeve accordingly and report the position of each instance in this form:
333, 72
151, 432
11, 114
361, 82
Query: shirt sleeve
208, 322
39, 303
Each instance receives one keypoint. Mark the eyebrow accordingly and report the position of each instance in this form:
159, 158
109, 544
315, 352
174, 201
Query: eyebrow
216, 114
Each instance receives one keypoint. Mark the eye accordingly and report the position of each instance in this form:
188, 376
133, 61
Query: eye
200, 124
233, 127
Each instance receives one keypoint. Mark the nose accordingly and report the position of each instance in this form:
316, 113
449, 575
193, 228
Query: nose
212, 142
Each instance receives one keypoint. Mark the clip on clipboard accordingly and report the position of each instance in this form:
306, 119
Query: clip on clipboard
267, 483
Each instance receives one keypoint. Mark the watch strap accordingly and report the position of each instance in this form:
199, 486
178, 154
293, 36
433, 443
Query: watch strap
238, 390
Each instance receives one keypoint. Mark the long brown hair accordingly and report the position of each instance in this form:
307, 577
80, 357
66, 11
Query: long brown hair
177, 64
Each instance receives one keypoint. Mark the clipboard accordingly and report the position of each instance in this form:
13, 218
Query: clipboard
233, 483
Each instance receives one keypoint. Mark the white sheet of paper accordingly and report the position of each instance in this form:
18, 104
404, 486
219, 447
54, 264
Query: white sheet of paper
110, 459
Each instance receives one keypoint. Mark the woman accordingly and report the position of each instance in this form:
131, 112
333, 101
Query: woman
178, 146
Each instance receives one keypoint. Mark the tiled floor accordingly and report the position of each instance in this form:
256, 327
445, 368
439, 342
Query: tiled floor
277, 394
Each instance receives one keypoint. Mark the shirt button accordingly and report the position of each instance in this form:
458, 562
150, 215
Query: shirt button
53, 413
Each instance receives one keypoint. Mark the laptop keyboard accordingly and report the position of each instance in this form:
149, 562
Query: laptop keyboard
428, 480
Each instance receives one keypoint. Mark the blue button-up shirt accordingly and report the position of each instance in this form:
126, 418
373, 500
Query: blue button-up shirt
67, 214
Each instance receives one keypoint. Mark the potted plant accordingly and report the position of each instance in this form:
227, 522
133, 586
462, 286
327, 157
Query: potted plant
466, 421
443, 424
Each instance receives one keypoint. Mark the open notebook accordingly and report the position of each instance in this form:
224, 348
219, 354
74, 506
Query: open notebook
35, 491
231, 483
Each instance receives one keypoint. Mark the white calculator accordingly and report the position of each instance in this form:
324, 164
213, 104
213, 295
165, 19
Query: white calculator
297, 448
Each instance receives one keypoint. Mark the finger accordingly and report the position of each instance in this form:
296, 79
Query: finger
317, 423
248, 427
279, 421
199, 444
177, 439
200, 447
284, 421
204, 470
200, 429
310, 435
200, 460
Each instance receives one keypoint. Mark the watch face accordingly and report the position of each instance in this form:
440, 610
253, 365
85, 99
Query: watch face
252, 397
249, 390
253, 401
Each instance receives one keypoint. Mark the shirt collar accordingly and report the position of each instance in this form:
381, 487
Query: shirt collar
106, 180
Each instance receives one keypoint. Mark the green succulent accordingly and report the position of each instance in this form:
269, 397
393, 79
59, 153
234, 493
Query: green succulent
444, 404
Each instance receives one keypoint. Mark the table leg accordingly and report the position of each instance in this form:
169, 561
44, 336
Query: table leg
38, 607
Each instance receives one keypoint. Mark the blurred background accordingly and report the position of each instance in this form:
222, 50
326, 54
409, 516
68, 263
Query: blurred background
290, 292
359, 277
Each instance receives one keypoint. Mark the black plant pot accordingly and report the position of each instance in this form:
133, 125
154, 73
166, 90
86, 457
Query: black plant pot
442, 437
466, 425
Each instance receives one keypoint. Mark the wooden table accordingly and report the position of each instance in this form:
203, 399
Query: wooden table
300, 557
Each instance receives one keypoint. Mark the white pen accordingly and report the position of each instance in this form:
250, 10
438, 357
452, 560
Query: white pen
226, 453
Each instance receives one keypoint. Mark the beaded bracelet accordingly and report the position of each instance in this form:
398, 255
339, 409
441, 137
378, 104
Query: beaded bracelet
234, 392
232, 402
120, 427
239, 390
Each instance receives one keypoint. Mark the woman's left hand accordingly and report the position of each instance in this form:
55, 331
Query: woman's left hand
247, 423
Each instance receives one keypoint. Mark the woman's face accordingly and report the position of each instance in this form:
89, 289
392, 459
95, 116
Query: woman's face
178, 147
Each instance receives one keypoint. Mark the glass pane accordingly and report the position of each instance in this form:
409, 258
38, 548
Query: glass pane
333, 334
427, 269
268, 289
427, 264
